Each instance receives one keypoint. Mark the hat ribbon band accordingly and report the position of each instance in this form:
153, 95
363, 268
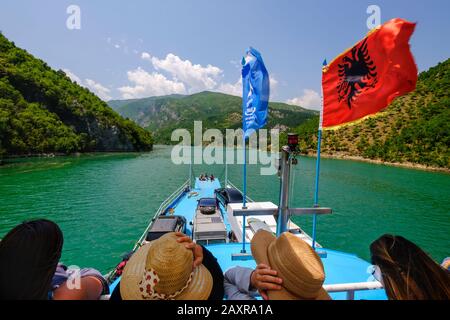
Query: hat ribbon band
148, 283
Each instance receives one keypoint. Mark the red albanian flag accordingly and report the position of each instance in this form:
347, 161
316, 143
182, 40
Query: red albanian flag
368, 77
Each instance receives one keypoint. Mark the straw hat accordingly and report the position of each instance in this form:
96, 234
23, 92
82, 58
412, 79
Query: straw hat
296, 263
163, 270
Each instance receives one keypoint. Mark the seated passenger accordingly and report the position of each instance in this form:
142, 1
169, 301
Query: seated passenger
212, 178
171, 268
29, 268
92, 284
288, 269
407, 272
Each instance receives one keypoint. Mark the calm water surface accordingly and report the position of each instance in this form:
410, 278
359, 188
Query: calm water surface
103, 202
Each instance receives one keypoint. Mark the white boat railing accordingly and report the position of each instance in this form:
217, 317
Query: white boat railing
351, 288
290, 222
161, 209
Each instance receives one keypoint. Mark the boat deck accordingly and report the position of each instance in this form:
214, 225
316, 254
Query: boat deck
339, 267
187, 204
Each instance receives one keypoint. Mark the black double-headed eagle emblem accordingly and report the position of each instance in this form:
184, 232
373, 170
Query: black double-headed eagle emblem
357, 73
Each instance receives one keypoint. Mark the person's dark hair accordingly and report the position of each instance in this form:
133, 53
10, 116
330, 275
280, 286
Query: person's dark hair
408, 272
29, 255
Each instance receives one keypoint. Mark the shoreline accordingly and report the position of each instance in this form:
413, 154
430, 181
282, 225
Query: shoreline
13, 158
406, 165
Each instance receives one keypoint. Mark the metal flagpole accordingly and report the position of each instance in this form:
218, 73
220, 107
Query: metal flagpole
255, 105
316, 191
244, 206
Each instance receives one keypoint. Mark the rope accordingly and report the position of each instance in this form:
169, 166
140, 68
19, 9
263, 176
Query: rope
222, 175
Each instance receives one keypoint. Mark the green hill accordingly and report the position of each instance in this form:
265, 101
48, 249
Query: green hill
162, 115
43, 111
415, 128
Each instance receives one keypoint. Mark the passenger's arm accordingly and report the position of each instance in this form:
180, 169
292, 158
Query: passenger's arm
90, 288
237, 284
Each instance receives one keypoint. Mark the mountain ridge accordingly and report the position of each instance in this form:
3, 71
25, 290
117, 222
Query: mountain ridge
216, 110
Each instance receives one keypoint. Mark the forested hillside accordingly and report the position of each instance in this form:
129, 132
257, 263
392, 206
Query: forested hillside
162, 115
43, 111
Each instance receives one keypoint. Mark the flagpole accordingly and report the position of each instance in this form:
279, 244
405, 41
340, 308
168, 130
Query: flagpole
244, 205
316, 191
245, 176
256, 89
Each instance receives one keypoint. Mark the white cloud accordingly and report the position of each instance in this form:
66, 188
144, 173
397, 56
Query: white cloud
146, 56
101, 91
195, 76
117, 46
236, 64
72, 76
309, 100
174, 75
230, 88
273, 86
235, 89
150, 84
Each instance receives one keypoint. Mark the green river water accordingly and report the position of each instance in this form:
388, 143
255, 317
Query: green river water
104, 202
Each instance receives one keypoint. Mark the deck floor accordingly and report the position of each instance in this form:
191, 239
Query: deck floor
339, 267
187, 205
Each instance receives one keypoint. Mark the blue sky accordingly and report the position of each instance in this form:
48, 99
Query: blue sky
131, 49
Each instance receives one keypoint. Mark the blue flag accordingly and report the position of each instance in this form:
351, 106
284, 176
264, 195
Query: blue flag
256, 92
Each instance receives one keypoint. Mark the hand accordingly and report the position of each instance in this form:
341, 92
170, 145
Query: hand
263, 279
189, 244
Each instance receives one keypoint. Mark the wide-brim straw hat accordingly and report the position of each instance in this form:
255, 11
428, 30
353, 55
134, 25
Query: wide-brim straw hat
172, 260
296, 263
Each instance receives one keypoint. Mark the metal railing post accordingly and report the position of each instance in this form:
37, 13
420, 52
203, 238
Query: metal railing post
350, 295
